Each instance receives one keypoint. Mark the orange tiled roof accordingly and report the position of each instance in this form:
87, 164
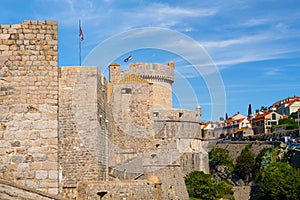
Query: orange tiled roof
240, 120
287, 100
262, 115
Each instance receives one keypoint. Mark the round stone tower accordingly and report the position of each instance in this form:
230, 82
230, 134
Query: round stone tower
161, 76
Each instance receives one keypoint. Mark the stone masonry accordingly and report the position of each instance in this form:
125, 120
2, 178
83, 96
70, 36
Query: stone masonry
11, 191
29, 104
152, 138
82, 131
67, 131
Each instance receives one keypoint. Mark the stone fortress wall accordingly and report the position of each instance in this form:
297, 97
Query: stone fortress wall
83, 127
160, 140
29, 104
67, 131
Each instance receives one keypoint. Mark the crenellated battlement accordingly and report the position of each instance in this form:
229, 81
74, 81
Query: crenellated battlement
161, 76
153, 72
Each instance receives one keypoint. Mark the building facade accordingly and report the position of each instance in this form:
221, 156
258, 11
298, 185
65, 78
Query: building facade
286, 106
262, 123
238, 124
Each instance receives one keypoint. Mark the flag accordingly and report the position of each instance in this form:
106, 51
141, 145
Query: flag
81, 34
127, 59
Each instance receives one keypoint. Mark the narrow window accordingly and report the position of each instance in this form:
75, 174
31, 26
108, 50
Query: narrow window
273, 116
126, 91
180, 114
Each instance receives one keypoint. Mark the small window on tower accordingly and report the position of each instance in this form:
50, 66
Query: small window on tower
126, 91
180, 114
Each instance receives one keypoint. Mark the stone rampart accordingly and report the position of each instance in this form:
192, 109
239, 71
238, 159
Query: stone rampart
83, 147
236, 149
12, 191
176, 123
29, 104
172, 179
119, 190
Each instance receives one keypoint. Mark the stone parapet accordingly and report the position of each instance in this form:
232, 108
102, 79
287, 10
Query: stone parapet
153, 72
119, 190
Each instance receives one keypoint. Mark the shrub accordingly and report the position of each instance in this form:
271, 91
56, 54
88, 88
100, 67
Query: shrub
279, 181
203, 186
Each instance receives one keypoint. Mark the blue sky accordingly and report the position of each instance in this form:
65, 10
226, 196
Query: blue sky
254, 44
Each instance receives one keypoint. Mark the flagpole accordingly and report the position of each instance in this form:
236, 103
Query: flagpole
79, 41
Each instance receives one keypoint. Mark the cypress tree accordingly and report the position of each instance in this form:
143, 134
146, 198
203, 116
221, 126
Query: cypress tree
249, 110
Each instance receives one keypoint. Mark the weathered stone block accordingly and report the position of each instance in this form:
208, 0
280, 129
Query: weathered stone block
32, 183
49, 184
23, 167
53, 174
15, 143
17, 159
4, 37
8, 136
34, 135
40, 157
33, 116
4, 144
4, 47
48, 134
41, 174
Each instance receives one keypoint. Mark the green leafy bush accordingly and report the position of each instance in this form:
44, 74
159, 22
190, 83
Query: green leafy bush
203, 186
245, 164
219, 156
278, 181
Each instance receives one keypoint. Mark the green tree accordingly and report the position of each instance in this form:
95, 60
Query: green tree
293, 115
263, 159
219, 156
203, 186
288, 123
278, 181
262, 108
249, 110
245, 164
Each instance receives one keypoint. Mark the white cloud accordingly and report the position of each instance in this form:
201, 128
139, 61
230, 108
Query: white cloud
253, 55
166, 10
254, 22
236, 41
266, 45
